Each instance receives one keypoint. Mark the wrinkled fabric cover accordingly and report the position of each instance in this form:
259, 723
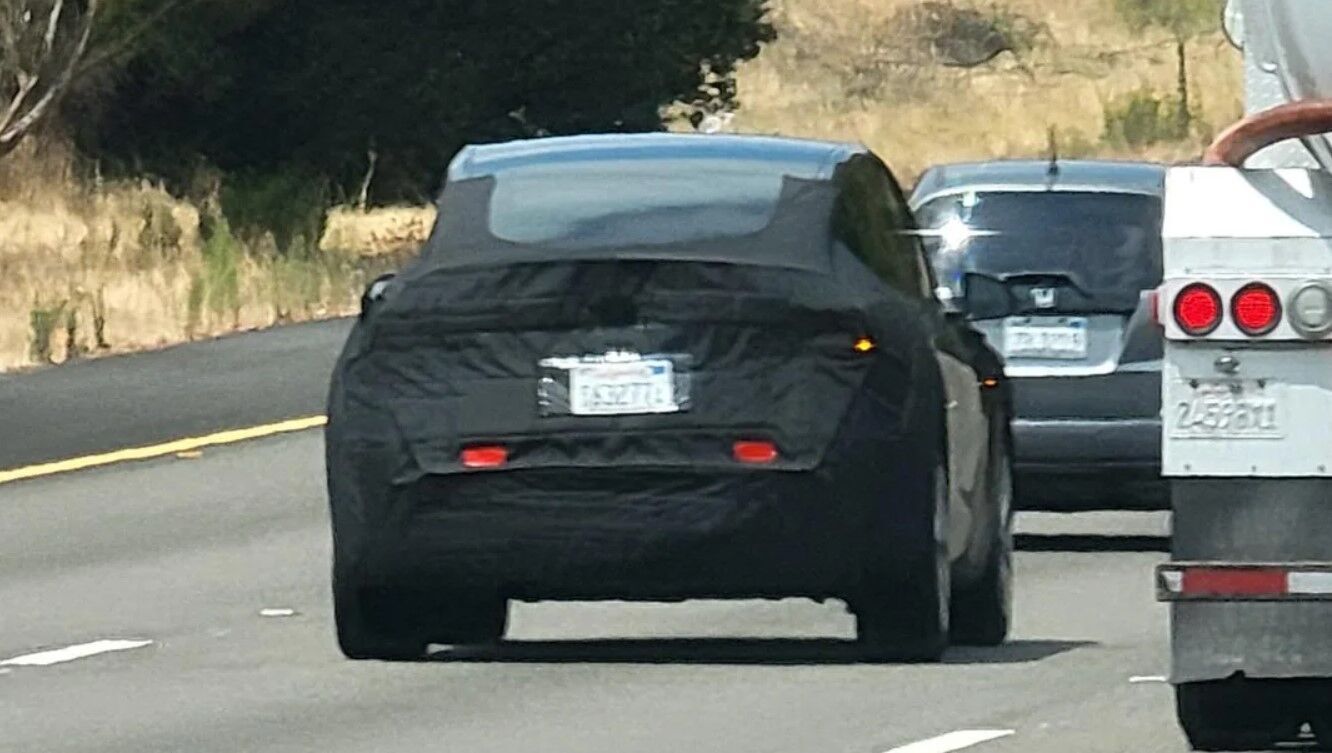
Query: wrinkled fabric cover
587, 505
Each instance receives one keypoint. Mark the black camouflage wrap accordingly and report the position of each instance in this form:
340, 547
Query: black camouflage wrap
650, 506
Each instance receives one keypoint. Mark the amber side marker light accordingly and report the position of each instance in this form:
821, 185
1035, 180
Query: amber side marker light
863, 345
989, 383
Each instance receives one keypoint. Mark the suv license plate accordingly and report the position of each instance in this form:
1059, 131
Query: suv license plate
1227, 409
622, 388
1063, 338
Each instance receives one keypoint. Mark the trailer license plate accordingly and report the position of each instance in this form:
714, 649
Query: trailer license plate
1063, 338
1229, 409
622, 388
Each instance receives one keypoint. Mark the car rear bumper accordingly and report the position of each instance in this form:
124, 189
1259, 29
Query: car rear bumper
636, 533
1083, 464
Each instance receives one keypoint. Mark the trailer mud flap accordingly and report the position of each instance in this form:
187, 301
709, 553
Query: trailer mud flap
1250, 582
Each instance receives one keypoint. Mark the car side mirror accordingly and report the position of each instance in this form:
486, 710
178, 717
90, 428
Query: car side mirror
949, 302
375, 292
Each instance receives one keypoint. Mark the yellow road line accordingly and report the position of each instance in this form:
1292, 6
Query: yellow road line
160, 450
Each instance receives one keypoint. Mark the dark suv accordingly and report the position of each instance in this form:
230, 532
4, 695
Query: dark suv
1054, 262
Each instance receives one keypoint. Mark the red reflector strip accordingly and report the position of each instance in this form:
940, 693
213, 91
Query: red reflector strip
492, 456
1227, 581
1259, 582
754, 452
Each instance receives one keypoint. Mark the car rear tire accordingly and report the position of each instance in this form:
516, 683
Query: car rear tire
466, 619
1231, 715
982, 610
397, 624
905, 617
365, 635
1322, 729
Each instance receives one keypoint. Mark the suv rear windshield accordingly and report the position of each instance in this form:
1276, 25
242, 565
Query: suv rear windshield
1105, 246
645, 202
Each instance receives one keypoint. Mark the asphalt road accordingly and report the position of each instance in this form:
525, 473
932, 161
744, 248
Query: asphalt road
187, 554
133, 400
181, 558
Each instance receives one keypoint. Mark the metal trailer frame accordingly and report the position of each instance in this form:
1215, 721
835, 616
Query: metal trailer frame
1249, 583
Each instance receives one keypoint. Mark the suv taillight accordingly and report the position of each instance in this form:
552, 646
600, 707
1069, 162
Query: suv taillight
1197, 309
1256, 309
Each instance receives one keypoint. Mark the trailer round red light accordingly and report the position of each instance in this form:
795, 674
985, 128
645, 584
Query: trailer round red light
1256, 309
1197, 309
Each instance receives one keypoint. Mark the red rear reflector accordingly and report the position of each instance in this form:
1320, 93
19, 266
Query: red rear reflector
1197, 309
488, 456
754, 452
1256, 309
1233, 581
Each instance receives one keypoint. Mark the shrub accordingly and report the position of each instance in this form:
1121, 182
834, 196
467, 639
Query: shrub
43, 321
220, 281
1143, 118
964, 35
287, 203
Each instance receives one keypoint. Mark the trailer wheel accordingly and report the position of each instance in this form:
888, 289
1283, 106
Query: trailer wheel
1230, 715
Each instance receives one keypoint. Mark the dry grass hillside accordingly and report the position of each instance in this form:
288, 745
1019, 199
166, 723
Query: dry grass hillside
859, 69
88, 267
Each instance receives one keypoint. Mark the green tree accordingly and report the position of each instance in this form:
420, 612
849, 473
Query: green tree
309, 87
1185, 20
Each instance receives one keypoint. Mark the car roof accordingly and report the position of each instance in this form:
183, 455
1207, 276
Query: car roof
1035, 175
808, 159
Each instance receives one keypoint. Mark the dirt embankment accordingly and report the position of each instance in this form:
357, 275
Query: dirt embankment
923, 81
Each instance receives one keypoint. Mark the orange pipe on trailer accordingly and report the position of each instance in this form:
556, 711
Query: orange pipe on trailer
1258, 131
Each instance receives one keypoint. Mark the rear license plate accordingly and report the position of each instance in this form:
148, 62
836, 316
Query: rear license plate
1227, 409
1062, 338
622, 388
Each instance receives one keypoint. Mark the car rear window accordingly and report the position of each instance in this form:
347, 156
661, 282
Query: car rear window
1108, 244
644, 202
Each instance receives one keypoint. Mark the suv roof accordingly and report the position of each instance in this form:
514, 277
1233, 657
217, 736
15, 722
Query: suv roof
1035, 175
815, 160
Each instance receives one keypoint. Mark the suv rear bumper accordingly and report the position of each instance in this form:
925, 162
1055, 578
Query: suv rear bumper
1082, 464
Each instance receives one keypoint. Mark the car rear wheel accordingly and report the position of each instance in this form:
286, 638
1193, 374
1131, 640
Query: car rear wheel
466, 618
397, 624
982, 610
1322, 729
365, 635
1231, 715
905, 618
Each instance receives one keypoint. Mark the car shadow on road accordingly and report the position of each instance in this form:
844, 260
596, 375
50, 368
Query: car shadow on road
757, 651
1030, 542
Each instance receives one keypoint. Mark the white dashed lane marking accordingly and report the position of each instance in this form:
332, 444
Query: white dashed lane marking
72, 653
953, 741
